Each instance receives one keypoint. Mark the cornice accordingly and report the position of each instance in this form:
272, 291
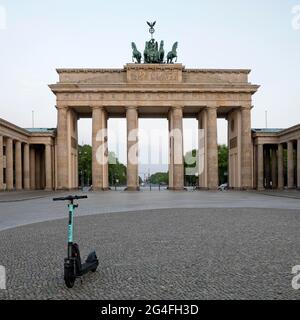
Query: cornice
244, 71
132, 66
149, 88
153, 66
87, 70
26, 133
13, 127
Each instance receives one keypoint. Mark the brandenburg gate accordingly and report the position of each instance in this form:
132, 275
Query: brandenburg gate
158, 87
150, 91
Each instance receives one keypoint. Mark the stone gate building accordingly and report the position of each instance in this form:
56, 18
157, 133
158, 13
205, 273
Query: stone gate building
48, 158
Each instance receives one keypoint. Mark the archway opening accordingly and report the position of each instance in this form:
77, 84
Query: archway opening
190, 150
84, 130
223, 152
153, 153
117, 150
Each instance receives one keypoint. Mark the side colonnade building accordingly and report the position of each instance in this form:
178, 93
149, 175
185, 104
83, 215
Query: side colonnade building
27, 158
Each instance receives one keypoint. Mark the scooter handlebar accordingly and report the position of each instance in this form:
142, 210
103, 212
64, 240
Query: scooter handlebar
70, 198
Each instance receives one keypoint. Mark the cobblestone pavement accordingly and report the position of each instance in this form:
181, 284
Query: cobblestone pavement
240, 253
29, 207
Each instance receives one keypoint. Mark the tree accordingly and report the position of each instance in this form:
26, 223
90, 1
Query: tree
85, 164
159, 178
116, 170
191, 169
223, 163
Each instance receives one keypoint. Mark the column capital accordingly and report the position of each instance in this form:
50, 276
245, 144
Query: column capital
211, 105
131, 108
246, 107
175, 107
97, 107
61, 106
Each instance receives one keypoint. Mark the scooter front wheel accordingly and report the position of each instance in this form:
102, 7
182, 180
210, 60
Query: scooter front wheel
69, 279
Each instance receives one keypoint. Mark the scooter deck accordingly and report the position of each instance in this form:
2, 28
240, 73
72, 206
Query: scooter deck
89, 266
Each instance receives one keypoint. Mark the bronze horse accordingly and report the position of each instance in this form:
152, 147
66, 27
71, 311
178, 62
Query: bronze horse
172, 54
135, 53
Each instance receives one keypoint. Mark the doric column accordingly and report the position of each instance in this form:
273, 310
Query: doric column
38, 178
202, 149
280, 183
291, 165
132, 149
62, 149
26, 167
267, 162
9, 164
212, 148
274, 168
298, 164
171, 149
106, 152
32, 168
48, 167
18, 165
1, 164
246, 149
260, 166
178, 168
99, 152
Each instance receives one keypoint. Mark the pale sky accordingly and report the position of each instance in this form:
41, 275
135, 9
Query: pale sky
39, 36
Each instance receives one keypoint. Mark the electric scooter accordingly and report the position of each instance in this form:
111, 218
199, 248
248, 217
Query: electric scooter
73, 268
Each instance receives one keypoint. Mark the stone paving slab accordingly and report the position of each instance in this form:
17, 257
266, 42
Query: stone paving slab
213, 253
16, 196
13, 214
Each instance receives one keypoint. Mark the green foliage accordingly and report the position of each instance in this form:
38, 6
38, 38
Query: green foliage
223, 163
159, 178
85, 165
116, 170
191, 170
190, 167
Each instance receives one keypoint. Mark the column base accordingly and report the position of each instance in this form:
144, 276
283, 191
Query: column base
100, 189
132, 189
202, 188
245, 188
46, 189
177, 189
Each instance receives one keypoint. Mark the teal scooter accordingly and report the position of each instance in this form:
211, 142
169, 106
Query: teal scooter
73, 268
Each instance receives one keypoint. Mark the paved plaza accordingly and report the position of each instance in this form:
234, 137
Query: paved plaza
154, 245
